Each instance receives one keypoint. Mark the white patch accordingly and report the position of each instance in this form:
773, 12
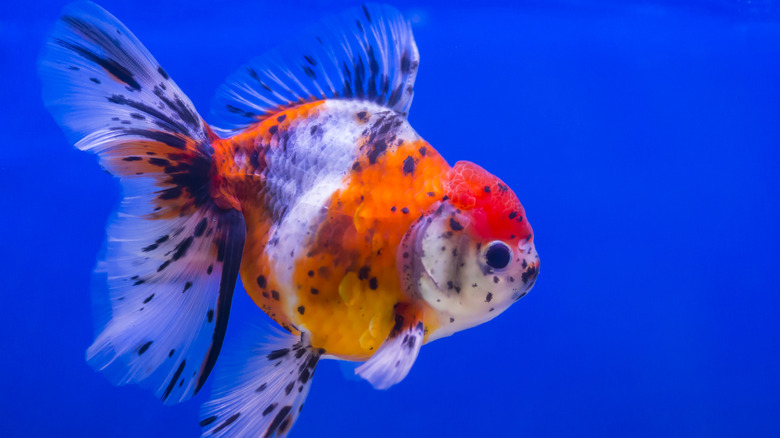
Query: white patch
302, 178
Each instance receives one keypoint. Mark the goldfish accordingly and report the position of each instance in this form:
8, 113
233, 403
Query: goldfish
346, 228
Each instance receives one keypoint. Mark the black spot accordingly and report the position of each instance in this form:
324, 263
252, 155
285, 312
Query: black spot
528, 274
405, 63
276, 354
261, 387
502, 187
289, 387
227, 423
487, 189
304, 377
275, 295
363, 116
181, 248
144, 347
162, 162
512, 215
373, 283
172, 193
455, 225
281, 118
273, 129
141, 281
132, 159
207, 421
209, 269
269, 409
163, 73
392, 209
309, 72
314, 291
301, 309
261, 281
277, 421
187, 285
364, 272
170, 353
149, 298
488, 297
365, 11
408, 165
310, 273
201, 227
452, 320
176, 376
377, 148
210, 315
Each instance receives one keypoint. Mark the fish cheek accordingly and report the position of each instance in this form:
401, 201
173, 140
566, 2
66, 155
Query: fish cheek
443, 256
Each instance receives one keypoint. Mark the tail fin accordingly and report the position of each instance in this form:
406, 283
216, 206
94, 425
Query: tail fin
172, 256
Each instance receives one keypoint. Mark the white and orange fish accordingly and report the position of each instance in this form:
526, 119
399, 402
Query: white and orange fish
346, 228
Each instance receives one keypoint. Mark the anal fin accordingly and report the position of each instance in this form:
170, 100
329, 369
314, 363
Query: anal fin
262, 393
395, 357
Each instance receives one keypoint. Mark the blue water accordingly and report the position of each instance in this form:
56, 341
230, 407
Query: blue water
642, 139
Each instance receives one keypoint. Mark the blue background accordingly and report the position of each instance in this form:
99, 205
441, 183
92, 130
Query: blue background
642, 139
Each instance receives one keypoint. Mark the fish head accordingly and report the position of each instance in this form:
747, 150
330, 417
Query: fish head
472, 255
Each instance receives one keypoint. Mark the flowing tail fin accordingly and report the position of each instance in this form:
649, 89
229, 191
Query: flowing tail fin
172, 255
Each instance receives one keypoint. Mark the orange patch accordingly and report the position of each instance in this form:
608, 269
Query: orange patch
349, 282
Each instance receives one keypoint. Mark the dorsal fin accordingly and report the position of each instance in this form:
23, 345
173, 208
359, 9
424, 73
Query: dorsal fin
365, 53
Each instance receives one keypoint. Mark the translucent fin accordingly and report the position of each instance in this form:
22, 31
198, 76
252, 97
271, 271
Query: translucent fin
172, 257
363, 53
262, 392
395, 357
103, 87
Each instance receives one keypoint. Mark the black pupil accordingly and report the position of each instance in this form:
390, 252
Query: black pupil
498, 256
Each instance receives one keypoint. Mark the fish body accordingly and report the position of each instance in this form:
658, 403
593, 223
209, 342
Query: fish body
331, 187
346, 227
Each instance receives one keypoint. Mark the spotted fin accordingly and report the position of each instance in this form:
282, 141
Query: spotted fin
261, 395
365, 53
172, 256
395, 357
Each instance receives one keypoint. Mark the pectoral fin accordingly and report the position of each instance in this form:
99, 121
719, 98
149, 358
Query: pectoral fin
394, 358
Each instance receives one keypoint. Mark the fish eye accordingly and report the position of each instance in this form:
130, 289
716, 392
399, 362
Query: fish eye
498, 255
